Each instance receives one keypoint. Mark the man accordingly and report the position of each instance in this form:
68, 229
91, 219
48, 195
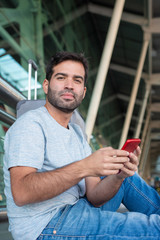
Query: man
49, 167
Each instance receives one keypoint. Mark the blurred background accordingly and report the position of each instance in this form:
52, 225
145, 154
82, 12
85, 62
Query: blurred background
121, 40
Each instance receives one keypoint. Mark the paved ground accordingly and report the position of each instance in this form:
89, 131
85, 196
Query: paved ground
4, 234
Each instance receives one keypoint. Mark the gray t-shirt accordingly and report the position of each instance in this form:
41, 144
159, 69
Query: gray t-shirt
37, 140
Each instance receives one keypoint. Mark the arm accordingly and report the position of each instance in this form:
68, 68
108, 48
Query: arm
100, 191
30, 186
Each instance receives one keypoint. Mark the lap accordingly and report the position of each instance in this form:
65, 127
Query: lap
83, 221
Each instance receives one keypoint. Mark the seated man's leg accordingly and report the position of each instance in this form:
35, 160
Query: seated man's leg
85, 222
140, 197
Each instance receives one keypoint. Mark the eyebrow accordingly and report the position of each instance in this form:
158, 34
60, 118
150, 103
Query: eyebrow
65, 75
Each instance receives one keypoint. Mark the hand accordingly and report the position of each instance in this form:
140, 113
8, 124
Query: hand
106, 161
130, 167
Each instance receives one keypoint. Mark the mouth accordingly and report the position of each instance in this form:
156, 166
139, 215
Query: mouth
68, 96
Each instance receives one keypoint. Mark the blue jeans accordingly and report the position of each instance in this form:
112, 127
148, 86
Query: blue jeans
82, 221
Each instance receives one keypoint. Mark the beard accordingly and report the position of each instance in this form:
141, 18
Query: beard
64, 105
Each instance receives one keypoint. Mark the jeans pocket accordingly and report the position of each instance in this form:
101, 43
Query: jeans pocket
53, 225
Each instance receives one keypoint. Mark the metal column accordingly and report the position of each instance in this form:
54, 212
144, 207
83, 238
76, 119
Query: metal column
144, 155
5, 35
103, 68
142, 111
134, 91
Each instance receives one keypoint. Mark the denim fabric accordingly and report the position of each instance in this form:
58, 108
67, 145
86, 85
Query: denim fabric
85, 222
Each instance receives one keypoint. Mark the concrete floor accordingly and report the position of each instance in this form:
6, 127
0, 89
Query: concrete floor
4, 233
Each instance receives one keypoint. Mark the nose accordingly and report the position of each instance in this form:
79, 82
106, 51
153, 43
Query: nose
69, 83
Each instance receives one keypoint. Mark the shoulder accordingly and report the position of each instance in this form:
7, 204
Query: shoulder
33, 115
27, 121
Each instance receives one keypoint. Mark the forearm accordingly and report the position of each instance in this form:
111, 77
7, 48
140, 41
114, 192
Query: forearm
29, 186
40, 186
104, 190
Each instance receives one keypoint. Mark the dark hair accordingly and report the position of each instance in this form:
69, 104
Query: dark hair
64, 56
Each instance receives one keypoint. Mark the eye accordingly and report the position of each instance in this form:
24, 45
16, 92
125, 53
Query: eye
60, 77
78, 80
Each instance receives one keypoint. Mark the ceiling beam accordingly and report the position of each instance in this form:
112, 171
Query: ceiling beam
127, 98
111, 121
155, 79
97, 9
107, 12
68, 18
118, 96
155, 107
155, 124
114, 119
155, 143
126, 70
108, 100
153, 27
155, 136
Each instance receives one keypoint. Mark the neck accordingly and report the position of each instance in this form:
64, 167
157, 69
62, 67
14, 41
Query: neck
61, 117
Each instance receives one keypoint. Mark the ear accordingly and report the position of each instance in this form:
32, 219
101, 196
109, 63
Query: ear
45, 86
84, 93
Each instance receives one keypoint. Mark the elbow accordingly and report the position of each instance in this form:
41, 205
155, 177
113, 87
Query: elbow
95, 203
19, 199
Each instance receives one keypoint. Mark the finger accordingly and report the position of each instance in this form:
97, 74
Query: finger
119, 153
127, 171
130, 166
115, 159
114, 152
134, 159
137, 152
111, 166
110, 172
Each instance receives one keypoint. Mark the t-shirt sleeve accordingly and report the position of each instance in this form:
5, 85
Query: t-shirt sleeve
24, 144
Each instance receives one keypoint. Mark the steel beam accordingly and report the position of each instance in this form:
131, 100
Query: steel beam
155, 107
126, 70
144, 155
108, 12
155, 136
5, 35
154, 26
134, 91
155, 124
69, 18
103, 68
142, 111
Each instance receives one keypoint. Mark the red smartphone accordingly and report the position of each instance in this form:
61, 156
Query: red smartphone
131, 144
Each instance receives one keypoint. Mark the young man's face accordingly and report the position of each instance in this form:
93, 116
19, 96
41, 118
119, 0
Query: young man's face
66, 89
